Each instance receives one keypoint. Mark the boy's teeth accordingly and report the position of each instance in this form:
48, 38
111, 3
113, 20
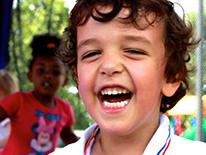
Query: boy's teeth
113, 91
115, 104
115, 98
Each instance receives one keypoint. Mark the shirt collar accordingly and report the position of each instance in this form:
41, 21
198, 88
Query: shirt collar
161, 139
158, 145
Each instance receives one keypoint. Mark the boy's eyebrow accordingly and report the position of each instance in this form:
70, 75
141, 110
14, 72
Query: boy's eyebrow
136, 38
124, 38
86, 42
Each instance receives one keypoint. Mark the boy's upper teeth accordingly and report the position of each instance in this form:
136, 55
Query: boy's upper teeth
114, 91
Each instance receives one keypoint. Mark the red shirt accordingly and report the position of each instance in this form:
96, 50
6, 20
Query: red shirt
34, 127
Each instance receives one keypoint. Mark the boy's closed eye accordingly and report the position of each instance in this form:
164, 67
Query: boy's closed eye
90, 55
134, 53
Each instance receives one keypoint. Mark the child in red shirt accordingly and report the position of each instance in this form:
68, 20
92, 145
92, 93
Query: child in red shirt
38, 117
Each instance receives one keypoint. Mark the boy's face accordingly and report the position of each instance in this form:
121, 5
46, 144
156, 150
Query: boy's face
47, 74
120, 74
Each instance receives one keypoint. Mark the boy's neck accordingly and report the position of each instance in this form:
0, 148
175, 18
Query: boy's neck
131, 148
47, 101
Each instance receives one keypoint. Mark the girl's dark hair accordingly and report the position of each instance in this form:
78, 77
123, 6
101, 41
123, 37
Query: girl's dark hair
179, 40
44, 45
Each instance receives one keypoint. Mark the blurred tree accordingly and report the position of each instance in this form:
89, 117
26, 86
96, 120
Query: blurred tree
29, 18
192, 65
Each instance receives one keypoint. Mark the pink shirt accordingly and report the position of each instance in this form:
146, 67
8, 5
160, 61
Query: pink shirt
34, 127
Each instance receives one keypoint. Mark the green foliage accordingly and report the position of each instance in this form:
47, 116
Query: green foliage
82, 118
193, 63
30, 18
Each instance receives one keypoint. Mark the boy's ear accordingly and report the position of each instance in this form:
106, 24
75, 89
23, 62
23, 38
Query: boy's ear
169, 89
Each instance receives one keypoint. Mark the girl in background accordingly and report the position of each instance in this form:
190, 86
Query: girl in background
8, 85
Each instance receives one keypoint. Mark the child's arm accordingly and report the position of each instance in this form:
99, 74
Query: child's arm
3, 114
68, 136
4, 132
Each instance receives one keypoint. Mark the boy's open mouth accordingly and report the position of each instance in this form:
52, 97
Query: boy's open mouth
115, 98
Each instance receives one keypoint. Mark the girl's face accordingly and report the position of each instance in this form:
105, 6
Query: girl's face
120, 74
48, 75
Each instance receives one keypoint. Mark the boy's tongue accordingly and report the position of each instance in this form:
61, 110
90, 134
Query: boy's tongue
115, 98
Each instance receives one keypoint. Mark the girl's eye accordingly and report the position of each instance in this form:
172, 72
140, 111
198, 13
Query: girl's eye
56, 72
40, 71
90, 54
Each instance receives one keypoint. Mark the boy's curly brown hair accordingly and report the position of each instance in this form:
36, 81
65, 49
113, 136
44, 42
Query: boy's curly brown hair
179, 38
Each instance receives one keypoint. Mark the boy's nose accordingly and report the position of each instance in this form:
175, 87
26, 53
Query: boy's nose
111, 65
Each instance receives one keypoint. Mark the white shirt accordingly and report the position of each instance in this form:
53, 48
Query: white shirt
4, 131
163, 142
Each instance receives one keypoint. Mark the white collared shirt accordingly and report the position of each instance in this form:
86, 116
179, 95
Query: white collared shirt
163, 142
